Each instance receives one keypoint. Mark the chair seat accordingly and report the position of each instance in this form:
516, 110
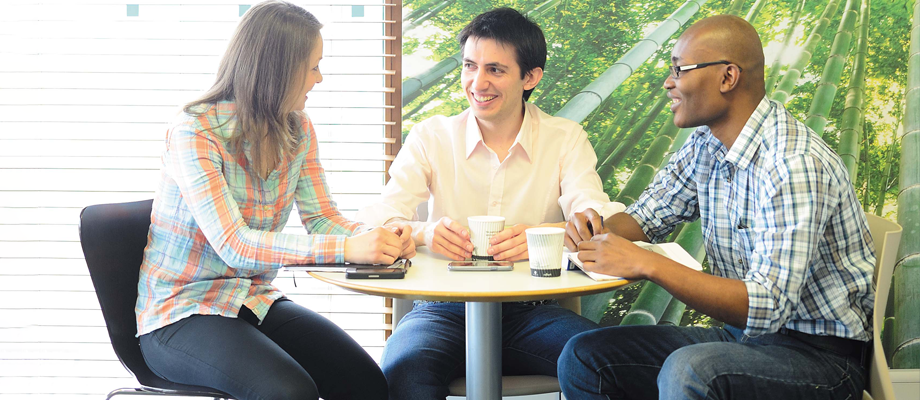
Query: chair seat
517, 385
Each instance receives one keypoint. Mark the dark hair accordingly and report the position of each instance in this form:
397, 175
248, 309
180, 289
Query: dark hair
509, 27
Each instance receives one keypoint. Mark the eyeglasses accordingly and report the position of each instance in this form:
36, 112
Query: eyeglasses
676, 70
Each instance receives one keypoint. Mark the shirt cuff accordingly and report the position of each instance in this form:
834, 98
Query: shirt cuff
612, 207
761, 308
329, 249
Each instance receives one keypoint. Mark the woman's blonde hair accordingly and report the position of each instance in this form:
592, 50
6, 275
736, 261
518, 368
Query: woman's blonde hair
261, 72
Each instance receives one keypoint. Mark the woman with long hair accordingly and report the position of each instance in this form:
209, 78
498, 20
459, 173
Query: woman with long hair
235, 162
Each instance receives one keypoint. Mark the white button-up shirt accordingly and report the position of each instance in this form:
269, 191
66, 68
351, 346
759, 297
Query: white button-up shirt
548, 175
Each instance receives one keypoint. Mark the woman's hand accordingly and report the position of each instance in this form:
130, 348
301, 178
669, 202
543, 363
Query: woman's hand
376, 246
405, 235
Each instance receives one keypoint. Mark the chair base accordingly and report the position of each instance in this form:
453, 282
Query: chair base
152, 391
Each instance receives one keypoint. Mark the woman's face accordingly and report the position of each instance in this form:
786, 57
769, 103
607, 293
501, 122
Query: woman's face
311, 77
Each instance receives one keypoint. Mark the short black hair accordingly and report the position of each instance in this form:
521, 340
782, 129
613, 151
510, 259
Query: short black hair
507, 26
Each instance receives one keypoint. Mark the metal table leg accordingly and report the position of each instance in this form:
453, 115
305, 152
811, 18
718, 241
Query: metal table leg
483, 351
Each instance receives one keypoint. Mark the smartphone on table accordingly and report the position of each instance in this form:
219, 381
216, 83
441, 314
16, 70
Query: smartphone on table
480, 266
375, 273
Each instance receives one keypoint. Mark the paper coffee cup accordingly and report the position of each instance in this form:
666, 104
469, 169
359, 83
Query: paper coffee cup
544, 245
482, 228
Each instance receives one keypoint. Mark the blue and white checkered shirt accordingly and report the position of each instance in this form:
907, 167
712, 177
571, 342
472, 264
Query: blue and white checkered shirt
779, 213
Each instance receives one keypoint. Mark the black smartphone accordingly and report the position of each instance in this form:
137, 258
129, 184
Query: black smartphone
375, 273
480, 265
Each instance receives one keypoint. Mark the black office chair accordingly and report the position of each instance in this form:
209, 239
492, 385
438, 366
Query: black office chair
113, 237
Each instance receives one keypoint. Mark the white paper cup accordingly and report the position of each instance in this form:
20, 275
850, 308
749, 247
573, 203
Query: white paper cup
482, 228
544, 246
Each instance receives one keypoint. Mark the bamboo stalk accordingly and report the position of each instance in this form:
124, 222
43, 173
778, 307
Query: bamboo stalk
833, 69
789, 81
635, 135
787, 38
851, 121
906, 352
585, 101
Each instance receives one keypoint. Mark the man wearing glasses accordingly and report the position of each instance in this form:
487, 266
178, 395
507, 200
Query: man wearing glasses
787, 241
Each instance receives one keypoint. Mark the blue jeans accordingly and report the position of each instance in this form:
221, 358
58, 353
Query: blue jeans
669, 362
294, 354
428, 348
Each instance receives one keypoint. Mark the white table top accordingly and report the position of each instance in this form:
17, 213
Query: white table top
429, 279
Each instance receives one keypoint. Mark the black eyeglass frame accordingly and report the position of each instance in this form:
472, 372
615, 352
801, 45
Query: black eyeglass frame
675, 70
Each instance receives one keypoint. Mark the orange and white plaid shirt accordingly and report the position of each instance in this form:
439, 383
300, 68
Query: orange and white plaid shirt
215, 241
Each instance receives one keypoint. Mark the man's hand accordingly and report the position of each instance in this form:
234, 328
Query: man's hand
613, 255
376, 246
583, 226
449, 238
509, 244
405, 235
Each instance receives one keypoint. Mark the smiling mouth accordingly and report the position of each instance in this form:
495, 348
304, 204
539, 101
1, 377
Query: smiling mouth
674, 104
483, 99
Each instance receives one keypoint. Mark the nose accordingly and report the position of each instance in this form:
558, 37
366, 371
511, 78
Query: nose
480, 80
319, 76
668, 82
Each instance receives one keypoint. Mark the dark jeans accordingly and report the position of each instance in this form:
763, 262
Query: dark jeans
668, 362
428, 348
294, 354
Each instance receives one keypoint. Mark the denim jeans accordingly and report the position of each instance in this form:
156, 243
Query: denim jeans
294, 354
428, 348
668, 362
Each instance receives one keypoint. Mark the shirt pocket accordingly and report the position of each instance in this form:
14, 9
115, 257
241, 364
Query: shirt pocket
742, 245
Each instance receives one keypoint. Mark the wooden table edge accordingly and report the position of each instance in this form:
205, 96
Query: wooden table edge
498, 296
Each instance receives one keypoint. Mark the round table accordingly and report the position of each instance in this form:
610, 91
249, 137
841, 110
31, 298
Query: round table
483, 292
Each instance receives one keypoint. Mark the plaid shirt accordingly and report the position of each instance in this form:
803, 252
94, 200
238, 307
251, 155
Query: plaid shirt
780, 214
214, 243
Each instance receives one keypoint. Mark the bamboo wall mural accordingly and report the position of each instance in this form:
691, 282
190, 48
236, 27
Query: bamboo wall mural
906, 335
773, 72
827, 88
605, 68
787, 84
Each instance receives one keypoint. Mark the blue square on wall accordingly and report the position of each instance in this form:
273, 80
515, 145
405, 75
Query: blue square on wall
244, 8
357, 11
133, 10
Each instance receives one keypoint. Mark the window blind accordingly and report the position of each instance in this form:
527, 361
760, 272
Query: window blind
87, 89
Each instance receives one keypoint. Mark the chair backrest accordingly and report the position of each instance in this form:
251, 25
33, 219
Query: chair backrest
887, 236
113, 237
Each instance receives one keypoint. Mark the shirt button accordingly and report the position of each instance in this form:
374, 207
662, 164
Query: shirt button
494, 203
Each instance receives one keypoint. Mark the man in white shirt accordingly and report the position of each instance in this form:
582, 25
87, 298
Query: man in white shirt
502, 157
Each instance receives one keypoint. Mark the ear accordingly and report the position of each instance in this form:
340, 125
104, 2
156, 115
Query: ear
730, 78
532, 78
